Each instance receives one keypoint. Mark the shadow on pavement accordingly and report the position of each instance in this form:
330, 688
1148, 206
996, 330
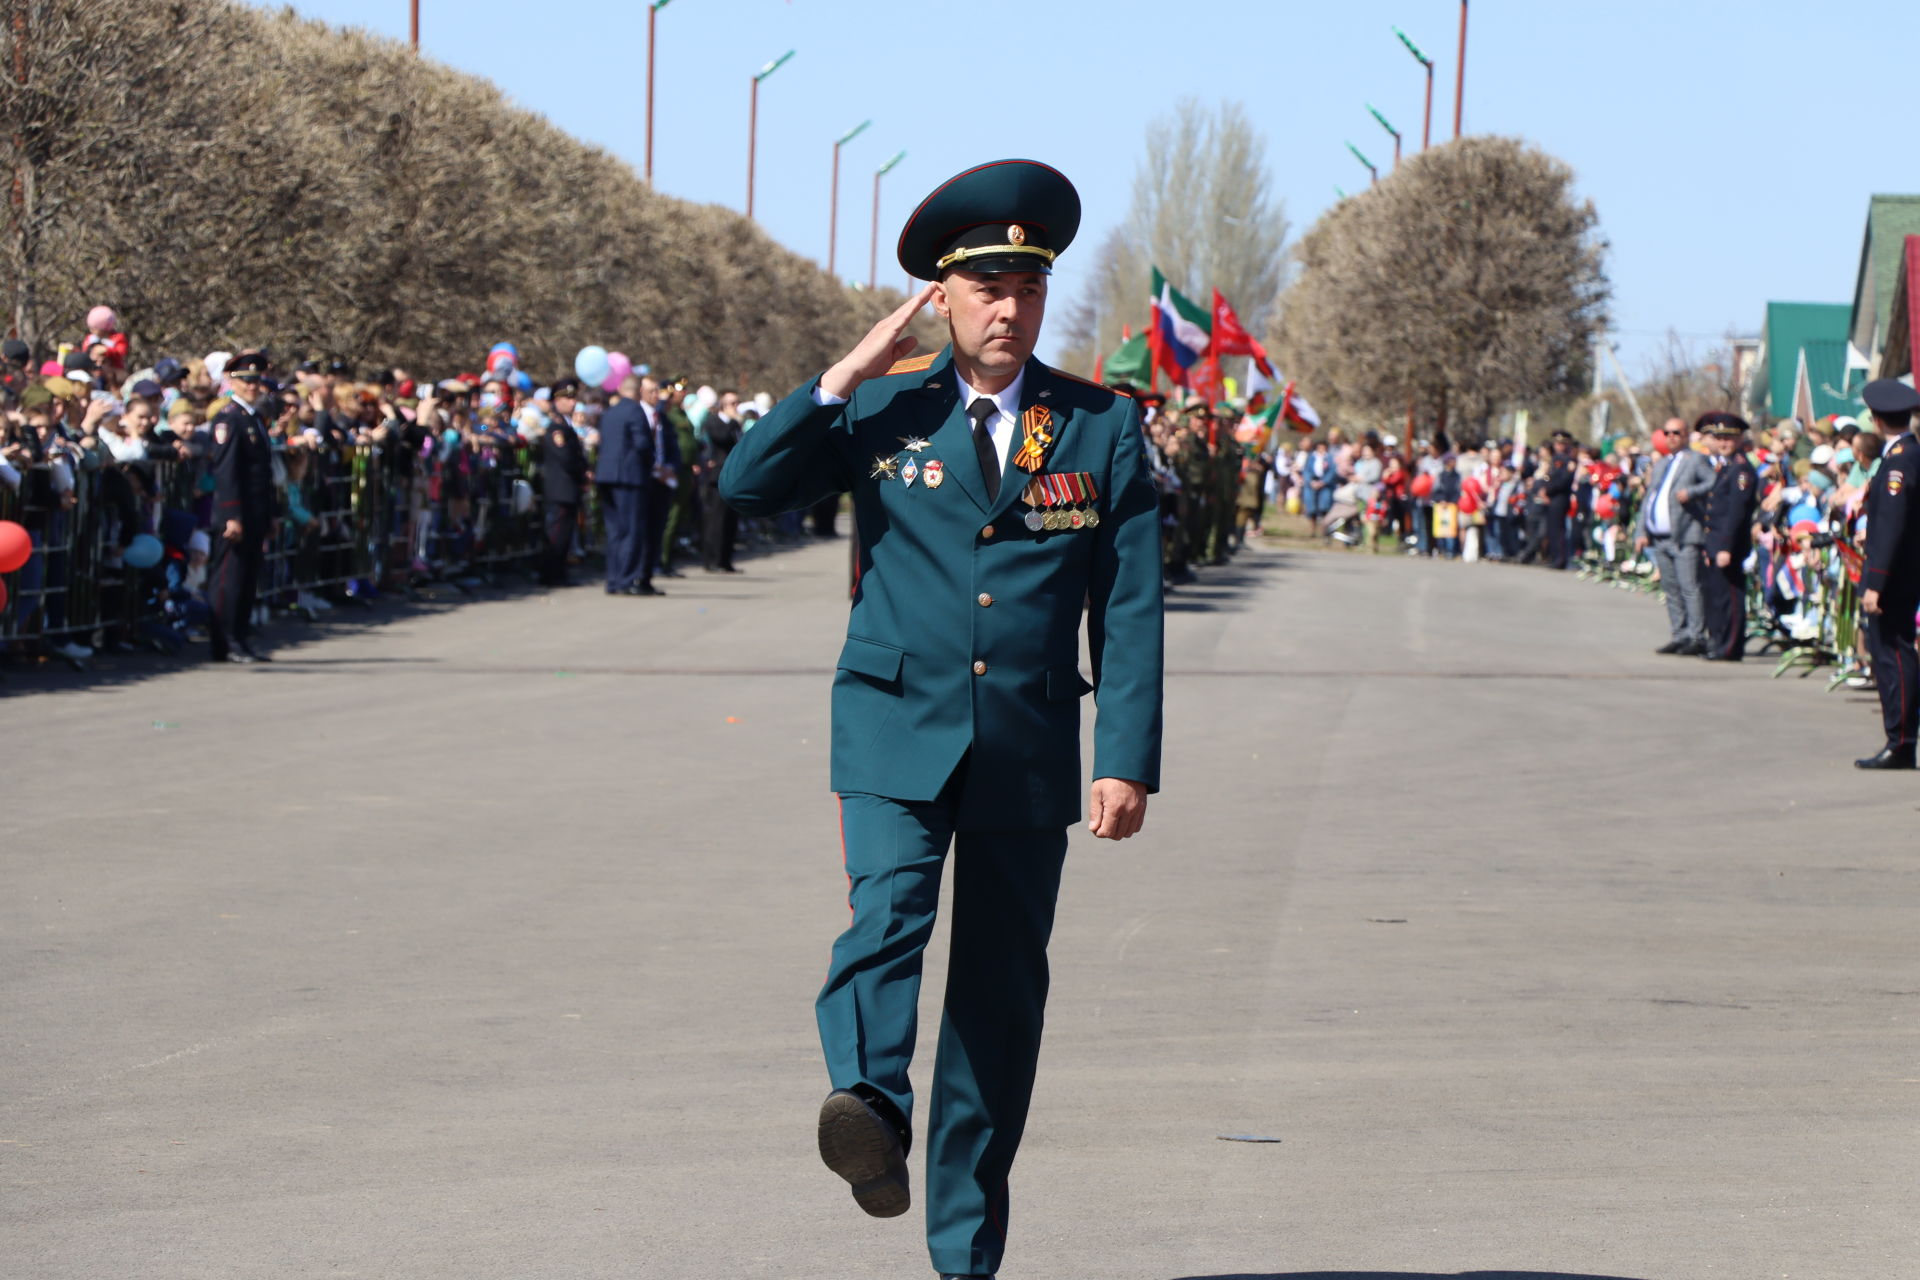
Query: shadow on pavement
1407, 1275
1225, 588
287, 634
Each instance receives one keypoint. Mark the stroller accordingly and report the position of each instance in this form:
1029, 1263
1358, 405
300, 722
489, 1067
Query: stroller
1342, 521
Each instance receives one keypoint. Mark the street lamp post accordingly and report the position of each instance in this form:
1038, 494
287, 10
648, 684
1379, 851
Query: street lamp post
1460, 72
652, 9
873, 253
1426, 123
414, 15
1390, 129
833, 209
1363, 160
753, 119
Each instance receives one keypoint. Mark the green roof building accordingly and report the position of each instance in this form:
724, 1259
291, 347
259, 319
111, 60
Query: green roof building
1890, 220
1804, 362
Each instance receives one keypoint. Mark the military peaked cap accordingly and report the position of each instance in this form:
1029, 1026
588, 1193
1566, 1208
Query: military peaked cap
1010, 215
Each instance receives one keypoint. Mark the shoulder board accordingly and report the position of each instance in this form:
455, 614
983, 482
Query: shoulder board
913, 364
1088, 382
1899, 446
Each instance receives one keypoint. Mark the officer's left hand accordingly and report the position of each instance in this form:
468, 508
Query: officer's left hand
1116, 808
1721, 559
1870, 601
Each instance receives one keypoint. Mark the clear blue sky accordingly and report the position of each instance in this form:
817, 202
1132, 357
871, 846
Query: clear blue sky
1729, 147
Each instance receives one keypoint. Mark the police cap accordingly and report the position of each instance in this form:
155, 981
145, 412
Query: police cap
250, 365
565, 387
1719, 423
1890, 395
1010, 215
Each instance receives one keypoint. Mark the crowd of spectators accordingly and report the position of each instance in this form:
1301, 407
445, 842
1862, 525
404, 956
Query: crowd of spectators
383, 481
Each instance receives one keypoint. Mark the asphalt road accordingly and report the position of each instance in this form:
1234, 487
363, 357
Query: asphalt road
481, 942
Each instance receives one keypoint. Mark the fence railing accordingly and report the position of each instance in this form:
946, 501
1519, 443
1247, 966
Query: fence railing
354, 519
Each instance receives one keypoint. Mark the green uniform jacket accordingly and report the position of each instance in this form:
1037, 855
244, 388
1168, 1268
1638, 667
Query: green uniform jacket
965, 630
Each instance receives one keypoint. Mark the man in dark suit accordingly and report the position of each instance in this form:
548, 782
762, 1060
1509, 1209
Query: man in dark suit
719, 523
999, 505
1890, 582
563, 478
624, 473
668, 481
1730, 506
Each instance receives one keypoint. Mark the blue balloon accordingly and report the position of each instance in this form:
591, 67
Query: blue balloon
521, 380
143, 552
591, 366
507, 347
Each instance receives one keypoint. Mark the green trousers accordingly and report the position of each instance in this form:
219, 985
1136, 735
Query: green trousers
1005, 884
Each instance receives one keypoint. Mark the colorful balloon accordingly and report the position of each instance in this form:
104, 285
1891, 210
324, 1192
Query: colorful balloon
1422, 486
591, 366
618, 367
15, 546
143, 552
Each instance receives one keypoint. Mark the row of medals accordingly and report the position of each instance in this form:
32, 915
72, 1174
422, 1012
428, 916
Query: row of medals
1056, 519
1050, 519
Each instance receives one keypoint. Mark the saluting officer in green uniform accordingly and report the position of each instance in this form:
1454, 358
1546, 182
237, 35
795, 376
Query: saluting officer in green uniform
998, 503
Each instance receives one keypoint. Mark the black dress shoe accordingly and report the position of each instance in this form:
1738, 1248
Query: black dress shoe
1672, 646
641, 589
1721, 657
255, 654
1889, 758
1692, 649
672, 573
239, 657
866, 1149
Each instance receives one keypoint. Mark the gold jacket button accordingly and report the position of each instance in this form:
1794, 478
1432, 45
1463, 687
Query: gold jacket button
987, 532
979, 668
985, 599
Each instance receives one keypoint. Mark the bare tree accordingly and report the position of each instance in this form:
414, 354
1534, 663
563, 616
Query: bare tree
1469, 280
1204, 213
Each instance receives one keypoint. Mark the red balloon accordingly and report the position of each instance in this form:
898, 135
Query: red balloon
1469, 502
1422, 486
1605, 508
15, 546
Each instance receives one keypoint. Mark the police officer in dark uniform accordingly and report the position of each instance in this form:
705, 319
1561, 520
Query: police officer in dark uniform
243, 504
1730, 506
1558, 490
563, 480
1890, 584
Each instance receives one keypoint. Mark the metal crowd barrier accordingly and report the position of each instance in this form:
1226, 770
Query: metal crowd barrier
380, 519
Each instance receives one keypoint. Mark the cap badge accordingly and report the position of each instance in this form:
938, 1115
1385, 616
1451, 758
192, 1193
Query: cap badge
1016, 234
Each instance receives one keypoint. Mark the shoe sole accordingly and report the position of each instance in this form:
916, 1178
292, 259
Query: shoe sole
856, 1144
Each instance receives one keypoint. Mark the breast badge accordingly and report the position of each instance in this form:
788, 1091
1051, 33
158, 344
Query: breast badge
935, 474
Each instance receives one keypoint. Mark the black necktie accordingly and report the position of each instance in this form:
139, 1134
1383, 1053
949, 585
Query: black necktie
981, 411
